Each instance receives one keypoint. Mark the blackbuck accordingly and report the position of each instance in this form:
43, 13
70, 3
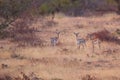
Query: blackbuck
94, 37
54, 40
80, 41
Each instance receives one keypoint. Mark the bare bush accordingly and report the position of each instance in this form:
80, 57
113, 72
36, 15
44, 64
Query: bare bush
107, 36
89, 77
3, 34
23, 35
118, 31
17, 56
56, 79
48, 23
3, 66
22, 77
6, 77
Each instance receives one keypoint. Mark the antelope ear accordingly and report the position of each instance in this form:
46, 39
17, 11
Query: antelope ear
76, 33
57, 32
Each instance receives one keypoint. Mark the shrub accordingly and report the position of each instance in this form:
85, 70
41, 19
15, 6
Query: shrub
56, 79
105, 35
89, 77
17, 56
118, 31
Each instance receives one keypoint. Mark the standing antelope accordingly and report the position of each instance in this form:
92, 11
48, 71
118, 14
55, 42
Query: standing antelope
80, 41
94, 37
54, 40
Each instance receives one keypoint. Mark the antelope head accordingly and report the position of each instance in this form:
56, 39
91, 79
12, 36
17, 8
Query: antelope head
76, 34
58, 33
89, 36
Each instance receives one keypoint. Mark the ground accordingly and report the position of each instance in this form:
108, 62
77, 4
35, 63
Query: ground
65, 61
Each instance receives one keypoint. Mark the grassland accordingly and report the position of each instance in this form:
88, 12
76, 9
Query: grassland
65, 61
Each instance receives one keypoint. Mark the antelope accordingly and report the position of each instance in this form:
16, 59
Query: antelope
94, 37
80, 41
54, 40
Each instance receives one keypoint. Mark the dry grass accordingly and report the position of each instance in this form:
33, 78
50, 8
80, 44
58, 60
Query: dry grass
65, 61
22, 77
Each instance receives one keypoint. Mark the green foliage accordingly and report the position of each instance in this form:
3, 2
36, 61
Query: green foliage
117, 2
118, 31
56, 5
3, 25
45, 8
3, 34
12, 8
111, 2
118, 5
